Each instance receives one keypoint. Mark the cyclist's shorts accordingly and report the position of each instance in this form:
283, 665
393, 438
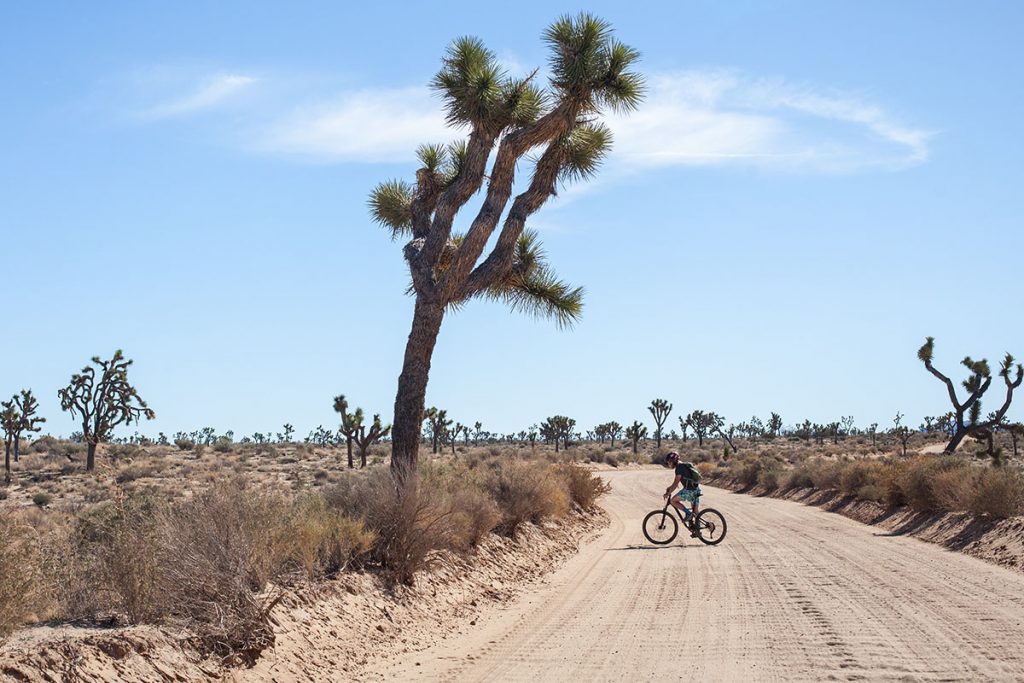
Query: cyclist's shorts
688, 495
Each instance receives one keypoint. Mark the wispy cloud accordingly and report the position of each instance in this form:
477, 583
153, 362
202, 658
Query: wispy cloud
707, 117
207, 93
717, 117
378, 125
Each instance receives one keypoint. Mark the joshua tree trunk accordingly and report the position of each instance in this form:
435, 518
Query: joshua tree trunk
90, 457
7, 462
17, 449
348, 442
412, 384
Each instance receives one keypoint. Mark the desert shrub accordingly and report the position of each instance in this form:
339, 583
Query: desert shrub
952, 489
20, 581
611, 459
136, 471
825, 474
184, 444
319, 540
526, 492
875, 493
42, 499
998, 492
474, 516
413, 521
44, 444
112, 566
217, 552
583, 486
916, 482
857, 474
800, 477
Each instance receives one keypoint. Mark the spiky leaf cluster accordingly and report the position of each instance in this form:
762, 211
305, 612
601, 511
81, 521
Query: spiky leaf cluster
591, 67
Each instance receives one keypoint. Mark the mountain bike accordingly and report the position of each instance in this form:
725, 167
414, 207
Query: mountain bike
661, 528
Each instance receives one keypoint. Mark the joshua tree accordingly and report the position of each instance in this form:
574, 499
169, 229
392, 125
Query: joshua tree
976, 385
873, 431
774, 425
635, 433
365, 439
350, 423
558, 428
531, 434
846, 425
701, 423
438, 424
478, 430
26, 406
288, 431
902, 433
660, 410
684, 428
614, 430
508, 119
10, 420
103, 398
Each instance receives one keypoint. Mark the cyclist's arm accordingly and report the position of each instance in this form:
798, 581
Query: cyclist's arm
670, 489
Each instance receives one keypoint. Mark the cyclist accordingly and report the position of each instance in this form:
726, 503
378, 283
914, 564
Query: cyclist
688, 476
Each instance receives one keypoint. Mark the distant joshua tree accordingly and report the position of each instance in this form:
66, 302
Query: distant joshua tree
614, 430
101, 396
350, 423
439, 423
635, 433
365, 438
478, 430
9, 422
288, 431
509, 120
660, 410
558, 428
873, 431
701, 423
902, 433
967, 414
775, 425
26, 405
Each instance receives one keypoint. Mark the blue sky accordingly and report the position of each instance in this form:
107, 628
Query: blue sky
809, 190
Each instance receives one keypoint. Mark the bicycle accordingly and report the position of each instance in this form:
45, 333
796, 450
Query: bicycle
661, 528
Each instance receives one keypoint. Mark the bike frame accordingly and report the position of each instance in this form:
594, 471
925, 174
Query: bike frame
682, 518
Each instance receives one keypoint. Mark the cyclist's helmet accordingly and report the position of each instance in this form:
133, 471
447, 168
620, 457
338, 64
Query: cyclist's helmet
671, 459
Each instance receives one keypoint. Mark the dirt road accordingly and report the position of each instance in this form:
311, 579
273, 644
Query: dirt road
794, 593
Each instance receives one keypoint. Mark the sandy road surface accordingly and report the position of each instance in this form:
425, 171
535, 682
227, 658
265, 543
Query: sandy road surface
794, 593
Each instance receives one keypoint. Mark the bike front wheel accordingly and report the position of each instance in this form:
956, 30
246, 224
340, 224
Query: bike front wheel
711, 526
660, 527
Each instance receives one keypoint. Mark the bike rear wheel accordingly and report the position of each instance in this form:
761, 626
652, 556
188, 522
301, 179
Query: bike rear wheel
711, 526
660, 527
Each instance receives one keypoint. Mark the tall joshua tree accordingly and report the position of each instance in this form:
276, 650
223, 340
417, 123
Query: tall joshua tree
507, 119
439, 424
967, 414
101, 396
701, 423
660, 410
775, 425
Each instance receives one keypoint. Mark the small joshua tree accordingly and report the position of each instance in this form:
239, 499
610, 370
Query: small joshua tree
350, 423
288, 431
101, 396
478, 430
873, 431
10, 420
902, 433
367, 437
508, 119
967, 414
439, 423
775, 425
660, 410
26, 406
635, 433
614, 431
